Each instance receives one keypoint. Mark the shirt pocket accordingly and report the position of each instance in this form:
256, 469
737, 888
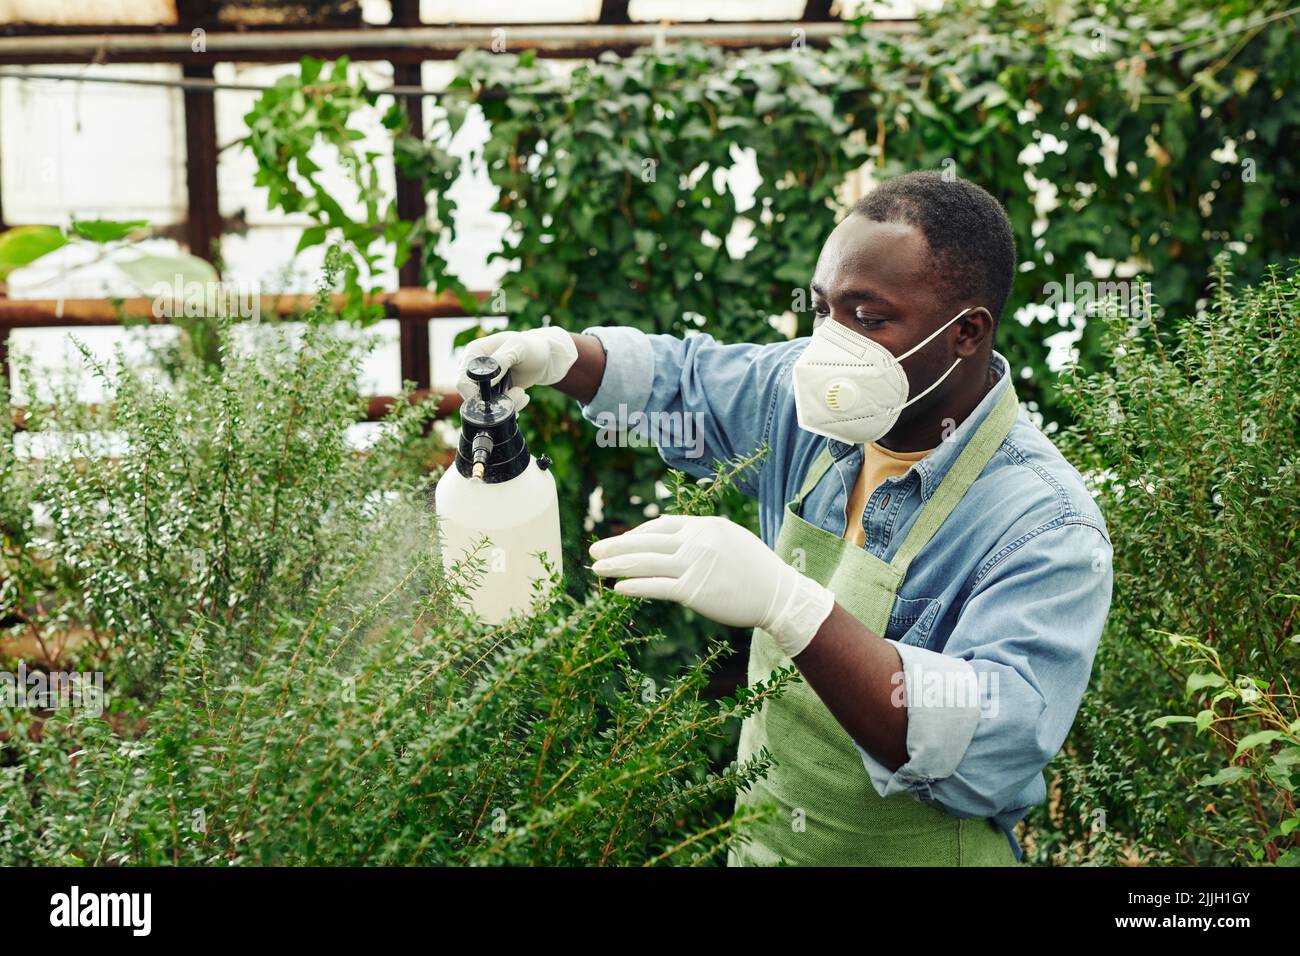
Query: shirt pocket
912, 620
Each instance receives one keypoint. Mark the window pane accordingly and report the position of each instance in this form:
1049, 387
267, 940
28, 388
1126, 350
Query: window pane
265, 253
716, 10
92, 150
508, 11
88, 12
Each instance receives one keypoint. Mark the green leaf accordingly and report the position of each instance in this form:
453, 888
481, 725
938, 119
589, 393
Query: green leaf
1197, 682
1204, 719
310, 68
1291, 755
1256, 739
1279, 774
311, 236
988, 95
1168, 719
148, 272
1226, 775
107, 230
23, 245
465, 336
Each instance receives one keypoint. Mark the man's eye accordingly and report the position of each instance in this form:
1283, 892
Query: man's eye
821, 310
866, 321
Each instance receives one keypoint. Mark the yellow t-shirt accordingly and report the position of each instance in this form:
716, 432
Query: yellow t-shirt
877, 465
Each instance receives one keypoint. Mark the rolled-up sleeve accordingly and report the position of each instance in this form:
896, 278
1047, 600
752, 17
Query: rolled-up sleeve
987, 713
629, 371
696, 400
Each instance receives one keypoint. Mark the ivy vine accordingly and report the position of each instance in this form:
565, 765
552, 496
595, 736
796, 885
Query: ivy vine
1155, 134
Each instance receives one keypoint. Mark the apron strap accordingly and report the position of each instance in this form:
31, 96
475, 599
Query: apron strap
977, 453
821, 464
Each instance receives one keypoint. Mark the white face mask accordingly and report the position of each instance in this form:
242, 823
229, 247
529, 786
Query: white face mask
851, 388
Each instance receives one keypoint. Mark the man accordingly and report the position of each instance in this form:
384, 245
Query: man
931, 564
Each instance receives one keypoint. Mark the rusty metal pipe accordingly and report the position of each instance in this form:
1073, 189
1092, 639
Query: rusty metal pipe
405, 304
226, 45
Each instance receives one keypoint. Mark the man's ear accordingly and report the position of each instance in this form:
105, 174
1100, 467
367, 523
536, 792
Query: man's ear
973, 330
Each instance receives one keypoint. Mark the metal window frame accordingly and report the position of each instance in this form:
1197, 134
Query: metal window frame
406, 44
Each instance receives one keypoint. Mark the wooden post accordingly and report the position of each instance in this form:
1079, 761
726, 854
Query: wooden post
818, 11
413, 334
203, 213
203, 225
614, 11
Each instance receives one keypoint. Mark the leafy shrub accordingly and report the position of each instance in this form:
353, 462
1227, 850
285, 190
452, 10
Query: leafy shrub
289, 680
1188, 742
1159, 131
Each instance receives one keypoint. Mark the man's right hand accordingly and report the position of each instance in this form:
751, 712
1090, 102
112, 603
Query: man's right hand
532, 357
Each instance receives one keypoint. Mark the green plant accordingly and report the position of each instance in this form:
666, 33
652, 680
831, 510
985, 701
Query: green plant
289, 680
155, 275
1251, 714
318, 109
1191, 439
1150, 134
22, 245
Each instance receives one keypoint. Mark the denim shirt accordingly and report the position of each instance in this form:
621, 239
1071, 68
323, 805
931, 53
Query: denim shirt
1010, 594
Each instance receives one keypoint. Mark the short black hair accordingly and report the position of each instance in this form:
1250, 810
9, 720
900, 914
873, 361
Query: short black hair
971, 246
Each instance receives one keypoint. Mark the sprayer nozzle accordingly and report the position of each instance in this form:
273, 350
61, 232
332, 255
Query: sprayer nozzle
481, 452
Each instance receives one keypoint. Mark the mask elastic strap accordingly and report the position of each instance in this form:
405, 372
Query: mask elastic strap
932, 387
927, 339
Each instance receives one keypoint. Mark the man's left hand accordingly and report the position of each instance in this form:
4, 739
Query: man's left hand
719, 569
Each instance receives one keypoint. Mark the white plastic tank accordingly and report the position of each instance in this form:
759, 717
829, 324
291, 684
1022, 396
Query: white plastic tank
497, 503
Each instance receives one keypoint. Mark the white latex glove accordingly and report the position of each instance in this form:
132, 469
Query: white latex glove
532, 357
719, 569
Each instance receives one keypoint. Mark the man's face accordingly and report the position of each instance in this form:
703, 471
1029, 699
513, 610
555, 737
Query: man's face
875, 278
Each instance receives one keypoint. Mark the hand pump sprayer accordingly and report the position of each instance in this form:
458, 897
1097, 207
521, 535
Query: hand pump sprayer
498, 492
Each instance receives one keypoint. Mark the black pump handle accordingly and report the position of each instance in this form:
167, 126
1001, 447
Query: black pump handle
481, 371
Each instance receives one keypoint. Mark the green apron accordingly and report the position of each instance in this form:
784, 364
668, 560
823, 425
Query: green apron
830, 813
